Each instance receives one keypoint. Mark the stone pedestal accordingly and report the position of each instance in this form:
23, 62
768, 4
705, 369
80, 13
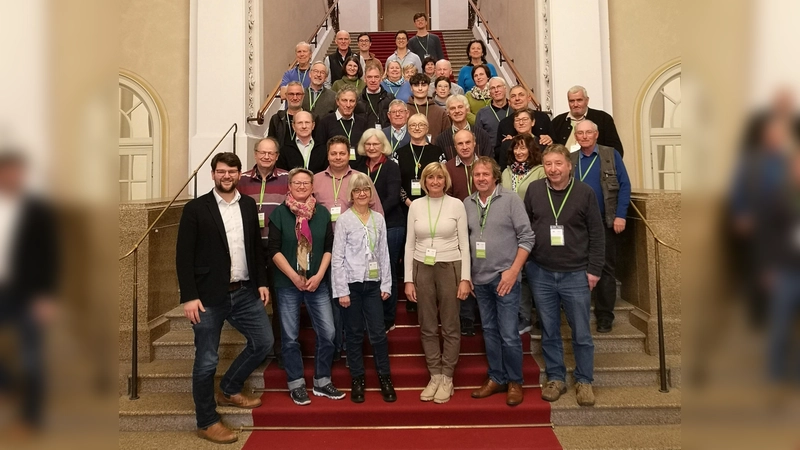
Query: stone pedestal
157, 279
636, 266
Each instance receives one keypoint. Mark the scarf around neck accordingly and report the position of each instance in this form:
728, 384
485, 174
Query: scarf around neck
303, 212
480, 94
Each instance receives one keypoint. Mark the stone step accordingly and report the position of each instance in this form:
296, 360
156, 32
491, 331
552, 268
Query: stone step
619, 406
616, 369
175, 375
640, 437
624, 338
180, 345
171, 412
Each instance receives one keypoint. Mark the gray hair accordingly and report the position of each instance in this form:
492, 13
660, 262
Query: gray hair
444, 62
594, 125
374, 133
457, 98
358, 180
270, 139
302, 44
557, 149
501, 80
575, 89
344, 89
321, 64
298, 170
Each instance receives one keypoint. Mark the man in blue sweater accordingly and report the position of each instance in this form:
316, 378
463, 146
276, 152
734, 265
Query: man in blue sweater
612, 187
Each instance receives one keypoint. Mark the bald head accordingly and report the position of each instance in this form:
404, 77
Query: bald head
443, 68
464, 142
303, 124
518, 98
343, 41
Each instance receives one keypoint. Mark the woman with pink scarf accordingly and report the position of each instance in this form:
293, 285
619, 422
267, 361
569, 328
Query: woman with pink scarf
300, 245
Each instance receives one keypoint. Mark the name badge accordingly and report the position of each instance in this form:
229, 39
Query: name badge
352, 153
373, 270
378, 126
431, 137
430, 256
556, 235
416, 188
480, 250
261, 220
335, 212
426, 55
574, 147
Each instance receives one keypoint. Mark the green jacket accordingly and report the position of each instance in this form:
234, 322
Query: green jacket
282, 238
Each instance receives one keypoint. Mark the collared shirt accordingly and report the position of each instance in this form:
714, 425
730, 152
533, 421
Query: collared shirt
351, 252
339, 115
234, 232
305, 149
399, 133
460, 162
481, 202
571, 141
276, 187
325, 195
456, 129
10, 214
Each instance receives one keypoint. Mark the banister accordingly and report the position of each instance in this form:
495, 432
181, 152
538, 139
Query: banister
260, 115
133, 381
662, 353
504, 58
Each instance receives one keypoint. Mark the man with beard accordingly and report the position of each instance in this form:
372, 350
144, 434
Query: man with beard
319, 100
222, 276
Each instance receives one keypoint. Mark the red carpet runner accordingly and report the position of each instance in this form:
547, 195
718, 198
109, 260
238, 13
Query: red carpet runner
383, 43
484, 423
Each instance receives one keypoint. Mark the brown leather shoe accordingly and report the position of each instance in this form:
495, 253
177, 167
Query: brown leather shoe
515, 395
218, 433
238, 400
489, 387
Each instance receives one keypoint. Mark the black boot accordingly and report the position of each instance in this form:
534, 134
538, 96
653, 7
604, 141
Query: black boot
357, 393
387, 390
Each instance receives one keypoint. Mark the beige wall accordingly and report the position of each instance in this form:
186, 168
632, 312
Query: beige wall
504, 16
154, 45
644, 38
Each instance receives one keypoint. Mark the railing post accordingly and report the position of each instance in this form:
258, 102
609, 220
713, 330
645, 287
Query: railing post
662, 358
133, 382
235, 130
195, 185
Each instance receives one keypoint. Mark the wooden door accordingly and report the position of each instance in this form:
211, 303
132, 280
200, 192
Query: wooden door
399, 14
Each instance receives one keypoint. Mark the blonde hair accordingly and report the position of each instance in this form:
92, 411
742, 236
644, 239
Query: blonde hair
435, 168
358, 180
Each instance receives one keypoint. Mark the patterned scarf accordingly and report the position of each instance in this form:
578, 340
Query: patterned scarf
480, 94
518, 170
303, 213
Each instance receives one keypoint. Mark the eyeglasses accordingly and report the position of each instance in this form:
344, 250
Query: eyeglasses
319, 72
265, 153
398, 112
496, 88
364, 41
401, 39
361, 191
301, 183
222, 173
372, 144
585, 133
522, 119
417, 126
294, 94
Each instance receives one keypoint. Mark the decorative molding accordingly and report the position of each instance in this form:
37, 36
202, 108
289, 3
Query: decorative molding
547, 69
251, 60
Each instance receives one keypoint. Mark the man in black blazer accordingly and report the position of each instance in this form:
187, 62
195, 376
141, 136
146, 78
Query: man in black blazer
563, 129
222, 276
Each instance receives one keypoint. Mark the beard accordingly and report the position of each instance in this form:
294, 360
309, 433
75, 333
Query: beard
218, 185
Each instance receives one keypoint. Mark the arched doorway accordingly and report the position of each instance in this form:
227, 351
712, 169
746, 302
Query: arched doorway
661, 132
139, 143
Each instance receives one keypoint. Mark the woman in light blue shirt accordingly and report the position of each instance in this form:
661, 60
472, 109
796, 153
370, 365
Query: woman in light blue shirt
362, 280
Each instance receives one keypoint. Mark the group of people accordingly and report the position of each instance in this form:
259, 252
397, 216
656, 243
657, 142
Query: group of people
473, 210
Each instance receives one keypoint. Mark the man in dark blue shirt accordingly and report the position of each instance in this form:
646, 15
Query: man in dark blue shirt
602, 168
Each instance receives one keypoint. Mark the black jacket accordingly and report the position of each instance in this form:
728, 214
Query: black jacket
328, 127
291, 157
542, 126
280, 127
562, 127
376, 112
203, 259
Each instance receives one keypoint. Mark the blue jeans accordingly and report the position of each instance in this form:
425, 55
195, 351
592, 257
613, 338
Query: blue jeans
365, 309
318, 305
246, 313
570, 290
396, 238
499, 321
784, 308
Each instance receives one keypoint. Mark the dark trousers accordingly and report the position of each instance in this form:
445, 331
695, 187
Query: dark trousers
246, 313
396, 239
606, 288
30, 382
365, 311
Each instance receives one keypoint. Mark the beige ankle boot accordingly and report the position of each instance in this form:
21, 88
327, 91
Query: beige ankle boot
430, 391
445, 390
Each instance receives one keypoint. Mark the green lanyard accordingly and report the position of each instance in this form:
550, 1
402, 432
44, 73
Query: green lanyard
556, 214
469, 180
427, 105
312, 98
372, 108
348, 133
302, 80
336, 190
416, 160
391, 138
370, 242
424, 47
580, 171
261, 197
377, 174
432, 226
393, 92
485, 213
498, 117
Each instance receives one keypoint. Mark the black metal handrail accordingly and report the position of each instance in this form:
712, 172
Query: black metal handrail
133, 381
662, 353
504, 58
333, 14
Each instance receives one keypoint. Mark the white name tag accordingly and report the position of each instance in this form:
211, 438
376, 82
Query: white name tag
480, 250
261, 220
430, 256
416, 188
335, 212
378, 126
556, 235
373, 270
352, 153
